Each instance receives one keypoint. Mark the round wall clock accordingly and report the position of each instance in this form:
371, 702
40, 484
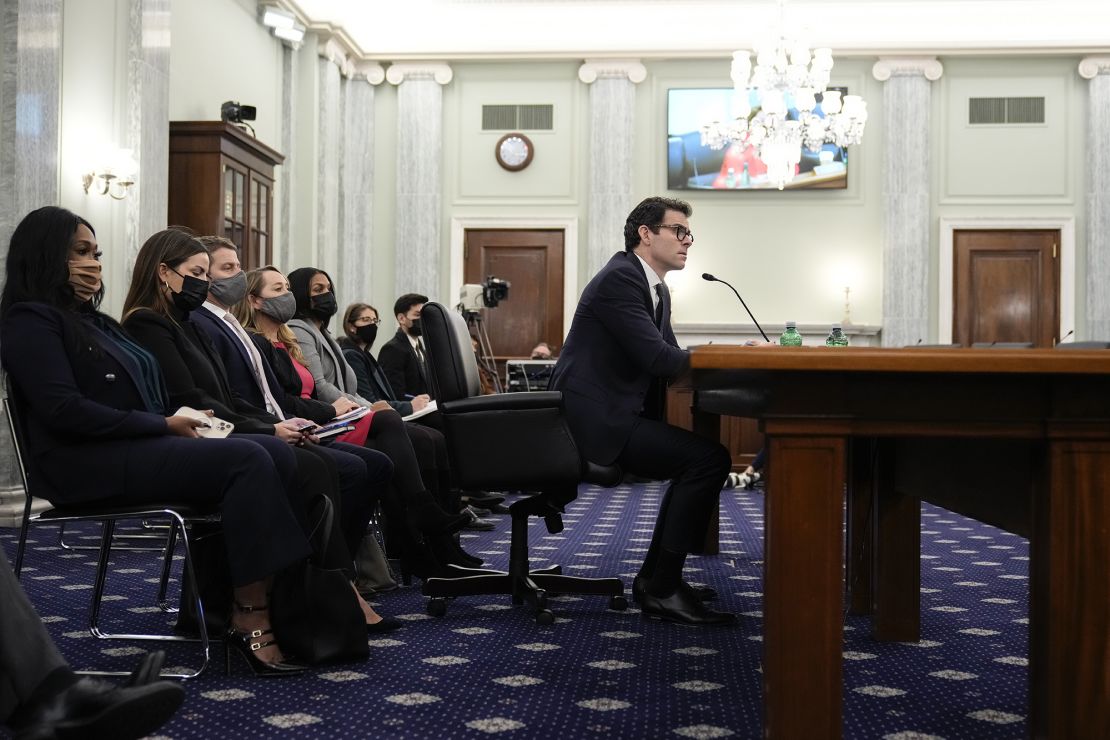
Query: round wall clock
514, 152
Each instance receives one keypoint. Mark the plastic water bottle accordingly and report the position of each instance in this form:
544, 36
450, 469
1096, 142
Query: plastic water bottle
791, 337
730, 178
836, 338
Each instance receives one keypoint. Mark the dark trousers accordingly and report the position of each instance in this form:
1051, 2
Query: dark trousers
364, 476
697, 468
27, 654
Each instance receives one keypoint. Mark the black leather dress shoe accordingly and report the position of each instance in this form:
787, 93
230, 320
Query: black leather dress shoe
683, 608
93, 709
702, 593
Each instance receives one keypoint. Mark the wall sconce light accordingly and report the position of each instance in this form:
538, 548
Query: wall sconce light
283, 24
114, 178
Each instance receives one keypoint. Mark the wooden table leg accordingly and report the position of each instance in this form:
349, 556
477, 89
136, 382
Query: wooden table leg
709, 426
859, 568
1069, 634
803, 589
897, 522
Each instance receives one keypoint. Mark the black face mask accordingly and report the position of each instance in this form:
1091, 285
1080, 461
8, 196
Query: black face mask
367, 334
324, 305
192, 295
416, 329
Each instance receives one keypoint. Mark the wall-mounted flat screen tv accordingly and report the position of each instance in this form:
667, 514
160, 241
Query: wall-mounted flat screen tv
692, 165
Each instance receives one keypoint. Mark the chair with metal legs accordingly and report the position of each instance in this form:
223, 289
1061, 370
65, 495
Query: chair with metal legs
178, 518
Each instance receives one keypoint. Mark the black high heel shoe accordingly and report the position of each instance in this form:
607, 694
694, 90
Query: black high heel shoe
248, 643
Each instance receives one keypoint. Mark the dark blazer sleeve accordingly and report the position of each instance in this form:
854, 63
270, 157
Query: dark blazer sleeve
619, 306
169, 344
392, 359
289, 396
367, 387
240, 372
33, 349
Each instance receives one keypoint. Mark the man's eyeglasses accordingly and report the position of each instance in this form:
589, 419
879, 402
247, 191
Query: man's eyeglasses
680, 231
366, 321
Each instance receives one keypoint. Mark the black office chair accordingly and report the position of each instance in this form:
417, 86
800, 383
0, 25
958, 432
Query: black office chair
179, 518
504, 442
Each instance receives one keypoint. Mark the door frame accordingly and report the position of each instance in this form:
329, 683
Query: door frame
568, 225
946, 266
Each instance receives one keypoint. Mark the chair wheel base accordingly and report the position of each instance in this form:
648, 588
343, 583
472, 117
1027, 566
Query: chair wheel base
544, 617
618, 603
437, 607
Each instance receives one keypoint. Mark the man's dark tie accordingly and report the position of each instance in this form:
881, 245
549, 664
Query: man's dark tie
419, 347
659, 306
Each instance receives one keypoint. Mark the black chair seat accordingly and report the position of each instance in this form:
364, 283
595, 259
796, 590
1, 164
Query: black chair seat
508, 441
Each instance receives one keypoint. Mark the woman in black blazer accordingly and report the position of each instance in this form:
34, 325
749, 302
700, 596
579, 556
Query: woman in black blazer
170, 279
99, 427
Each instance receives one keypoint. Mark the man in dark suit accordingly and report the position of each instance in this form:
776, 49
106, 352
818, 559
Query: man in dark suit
613, 371
402, 357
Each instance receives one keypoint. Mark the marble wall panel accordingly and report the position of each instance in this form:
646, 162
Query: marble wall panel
906, 210
328, 142
356, 172
419, 186
1098, 207
612, 106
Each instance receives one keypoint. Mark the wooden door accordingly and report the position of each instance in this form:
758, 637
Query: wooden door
1006, 287
532, 261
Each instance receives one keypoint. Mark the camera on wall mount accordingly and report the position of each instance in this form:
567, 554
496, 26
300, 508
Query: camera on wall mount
474, 297
232, 112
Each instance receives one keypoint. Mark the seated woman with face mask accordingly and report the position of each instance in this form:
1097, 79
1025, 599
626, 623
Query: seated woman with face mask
98, 422
412, 515
169, 281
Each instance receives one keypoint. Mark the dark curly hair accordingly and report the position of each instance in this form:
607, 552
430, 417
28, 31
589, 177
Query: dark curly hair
650, 213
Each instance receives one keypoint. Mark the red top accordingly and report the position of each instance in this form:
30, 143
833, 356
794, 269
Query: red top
362, 426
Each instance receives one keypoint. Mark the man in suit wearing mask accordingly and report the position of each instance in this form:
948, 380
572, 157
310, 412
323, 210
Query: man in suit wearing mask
613, 371
403, 357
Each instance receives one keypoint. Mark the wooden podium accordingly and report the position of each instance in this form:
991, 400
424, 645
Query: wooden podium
867, 421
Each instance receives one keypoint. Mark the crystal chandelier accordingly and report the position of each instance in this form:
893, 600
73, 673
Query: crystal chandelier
792, 107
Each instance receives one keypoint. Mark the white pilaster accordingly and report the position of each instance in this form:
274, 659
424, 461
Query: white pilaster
612, 107
419, 175
906, 183
1097, 71
30, 92
356, 174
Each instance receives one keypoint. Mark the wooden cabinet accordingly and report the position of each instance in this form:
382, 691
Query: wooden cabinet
741, 436
222, 183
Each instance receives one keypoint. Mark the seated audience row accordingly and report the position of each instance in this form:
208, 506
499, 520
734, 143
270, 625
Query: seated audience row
100, 396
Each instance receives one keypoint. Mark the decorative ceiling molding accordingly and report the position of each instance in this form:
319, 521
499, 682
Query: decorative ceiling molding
1091, 67
438, 71
632, 69
372, 72
455, 30
888, 67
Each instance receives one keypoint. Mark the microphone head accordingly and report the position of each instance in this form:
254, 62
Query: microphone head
707, 276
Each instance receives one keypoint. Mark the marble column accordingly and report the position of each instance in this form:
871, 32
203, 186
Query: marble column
283, 248
356, 175
1097, 71
328, 131
906, 184
30, 96
417, 245
612, 109
148, 115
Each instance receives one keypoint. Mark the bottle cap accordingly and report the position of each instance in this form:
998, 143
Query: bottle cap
791, 324
836, 327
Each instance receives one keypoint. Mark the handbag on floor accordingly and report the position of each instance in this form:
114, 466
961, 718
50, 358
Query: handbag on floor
315, 614
372, 573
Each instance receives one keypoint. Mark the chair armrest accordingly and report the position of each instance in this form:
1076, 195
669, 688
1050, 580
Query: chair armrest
504, 402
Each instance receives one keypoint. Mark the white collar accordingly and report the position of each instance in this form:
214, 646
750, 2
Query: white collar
220, 312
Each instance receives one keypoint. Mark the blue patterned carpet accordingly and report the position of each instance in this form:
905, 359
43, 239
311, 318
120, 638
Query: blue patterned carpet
487, 670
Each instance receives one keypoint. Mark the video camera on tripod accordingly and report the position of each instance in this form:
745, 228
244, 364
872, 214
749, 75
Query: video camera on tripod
474, 297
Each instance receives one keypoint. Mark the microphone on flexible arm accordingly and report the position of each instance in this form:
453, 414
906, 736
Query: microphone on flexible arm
712, 279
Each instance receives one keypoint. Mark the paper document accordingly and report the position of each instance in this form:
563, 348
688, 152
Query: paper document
429, 409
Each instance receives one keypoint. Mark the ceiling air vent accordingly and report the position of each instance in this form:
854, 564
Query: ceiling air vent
997, 111
518, 117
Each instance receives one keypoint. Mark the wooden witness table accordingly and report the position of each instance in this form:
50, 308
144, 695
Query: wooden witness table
1017, 438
